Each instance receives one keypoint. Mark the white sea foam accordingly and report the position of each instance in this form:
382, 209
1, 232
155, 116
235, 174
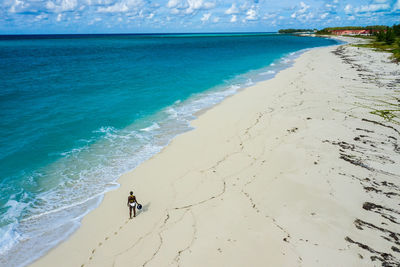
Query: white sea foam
267, 72
152, 127
9, 238
105, 129
172, 112
249, 82
234, 88
14, 209
74, 150
70, 206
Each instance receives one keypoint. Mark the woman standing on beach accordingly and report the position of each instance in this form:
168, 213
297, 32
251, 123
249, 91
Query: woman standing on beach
132, 205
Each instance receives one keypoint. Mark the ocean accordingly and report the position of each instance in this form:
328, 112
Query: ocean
77, 111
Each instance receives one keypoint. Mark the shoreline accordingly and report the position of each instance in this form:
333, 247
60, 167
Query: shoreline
182, 110
287, 59
285, 62
99, 237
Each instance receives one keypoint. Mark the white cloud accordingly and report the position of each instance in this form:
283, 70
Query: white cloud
208, 5
269, 16
189, 13
59, 6
323, 16
205, 17
173, 3
372, 8
93, 21
347, 9
117, 7
123, 6
304, 8
331, 7
40, 17
308, 16
232, 10
396, 6
298, 13
244, 6
197, 5
18, 6
174, 11
99, 2
251, 14
188, 6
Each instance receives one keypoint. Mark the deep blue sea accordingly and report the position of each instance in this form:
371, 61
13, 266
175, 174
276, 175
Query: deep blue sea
76, 112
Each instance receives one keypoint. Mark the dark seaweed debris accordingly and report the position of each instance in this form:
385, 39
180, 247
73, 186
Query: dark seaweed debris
369, 149
387, 259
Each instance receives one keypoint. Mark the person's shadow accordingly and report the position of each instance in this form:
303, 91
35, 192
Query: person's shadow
145, 207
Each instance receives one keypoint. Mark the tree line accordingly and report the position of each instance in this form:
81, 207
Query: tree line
372, 28
389, 34
295, 30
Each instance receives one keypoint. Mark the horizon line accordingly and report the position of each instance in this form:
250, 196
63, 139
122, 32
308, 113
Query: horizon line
146, 33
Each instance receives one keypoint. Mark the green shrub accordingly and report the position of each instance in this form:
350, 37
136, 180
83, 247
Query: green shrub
396, 29
381, 36
389, 36
294, 30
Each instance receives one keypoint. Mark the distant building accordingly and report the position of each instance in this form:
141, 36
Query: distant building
353, 32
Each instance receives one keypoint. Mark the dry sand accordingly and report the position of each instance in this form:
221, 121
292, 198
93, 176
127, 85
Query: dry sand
294, 171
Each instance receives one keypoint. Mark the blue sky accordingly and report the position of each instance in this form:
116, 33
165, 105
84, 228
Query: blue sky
138, 16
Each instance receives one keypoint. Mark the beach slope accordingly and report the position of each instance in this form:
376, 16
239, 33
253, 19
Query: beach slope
299, 170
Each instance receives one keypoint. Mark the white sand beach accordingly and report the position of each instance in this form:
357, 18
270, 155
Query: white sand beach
299, 170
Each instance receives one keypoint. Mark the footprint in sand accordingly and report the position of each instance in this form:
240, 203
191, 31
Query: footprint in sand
100, 243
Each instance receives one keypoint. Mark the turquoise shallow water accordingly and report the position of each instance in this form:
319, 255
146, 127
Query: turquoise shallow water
78, 111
